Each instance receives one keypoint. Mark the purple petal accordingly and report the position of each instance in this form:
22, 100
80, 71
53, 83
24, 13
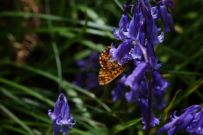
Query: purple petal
190, 120
166, 18
135, 77
121, 54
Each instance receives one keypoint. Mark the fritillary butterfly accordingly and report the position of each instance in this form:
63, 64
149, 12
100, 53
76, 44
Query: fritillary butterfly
109, 69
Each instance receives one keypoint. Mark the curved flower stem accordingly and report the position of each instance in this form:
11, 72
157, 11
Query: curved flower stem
150, 88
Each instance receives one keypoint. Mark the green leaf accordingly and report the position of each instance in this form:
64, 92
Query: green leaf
123, 126
16, 119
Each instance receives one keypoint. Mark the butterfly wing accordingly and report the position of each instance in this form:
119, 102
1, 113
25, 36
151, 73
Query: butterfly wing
106, 76
109, 69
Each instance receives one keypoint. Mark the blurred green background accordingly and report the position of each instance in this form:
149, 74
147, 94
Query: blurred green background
41, 41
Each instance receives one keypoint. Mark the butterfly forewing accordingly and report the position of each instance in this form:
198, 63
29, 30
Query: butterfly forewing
104, 59
109, 69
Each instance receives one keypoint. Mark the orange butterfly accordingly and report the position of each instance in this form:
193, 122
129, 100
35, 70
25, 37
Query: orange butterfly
109, 69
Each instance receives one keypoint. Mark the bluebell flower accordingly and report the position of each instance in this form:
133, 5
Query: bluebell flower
143, 105
122, 32
61, 119
118, 91
190, 120
151, 57
137, 22
86, 75
160, 85
168, 3
143, 21
122, 53
135, 77
141, 28
150, 24
196, 127
138, 34
165, 15
139, 95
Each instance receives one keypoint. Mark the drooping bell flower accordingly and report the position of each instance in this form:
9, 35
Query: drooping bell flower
190, 121
61, 119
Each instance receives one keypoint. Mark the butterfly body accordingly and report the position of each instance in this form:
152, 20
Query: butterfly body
109, 69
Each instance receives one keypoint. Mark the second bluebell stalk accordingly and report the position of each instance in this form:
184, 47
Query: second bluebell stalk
138, 35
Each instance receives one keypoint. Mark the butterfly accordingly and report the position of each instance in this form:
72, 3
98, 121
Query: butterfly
109, 69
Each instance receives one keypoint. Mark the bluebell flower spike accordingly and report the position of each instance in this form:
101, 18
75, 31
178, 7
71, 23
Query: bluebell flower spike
138, 34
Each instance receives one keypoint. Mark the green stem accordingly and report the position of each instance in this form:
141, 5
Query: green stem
55, 49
